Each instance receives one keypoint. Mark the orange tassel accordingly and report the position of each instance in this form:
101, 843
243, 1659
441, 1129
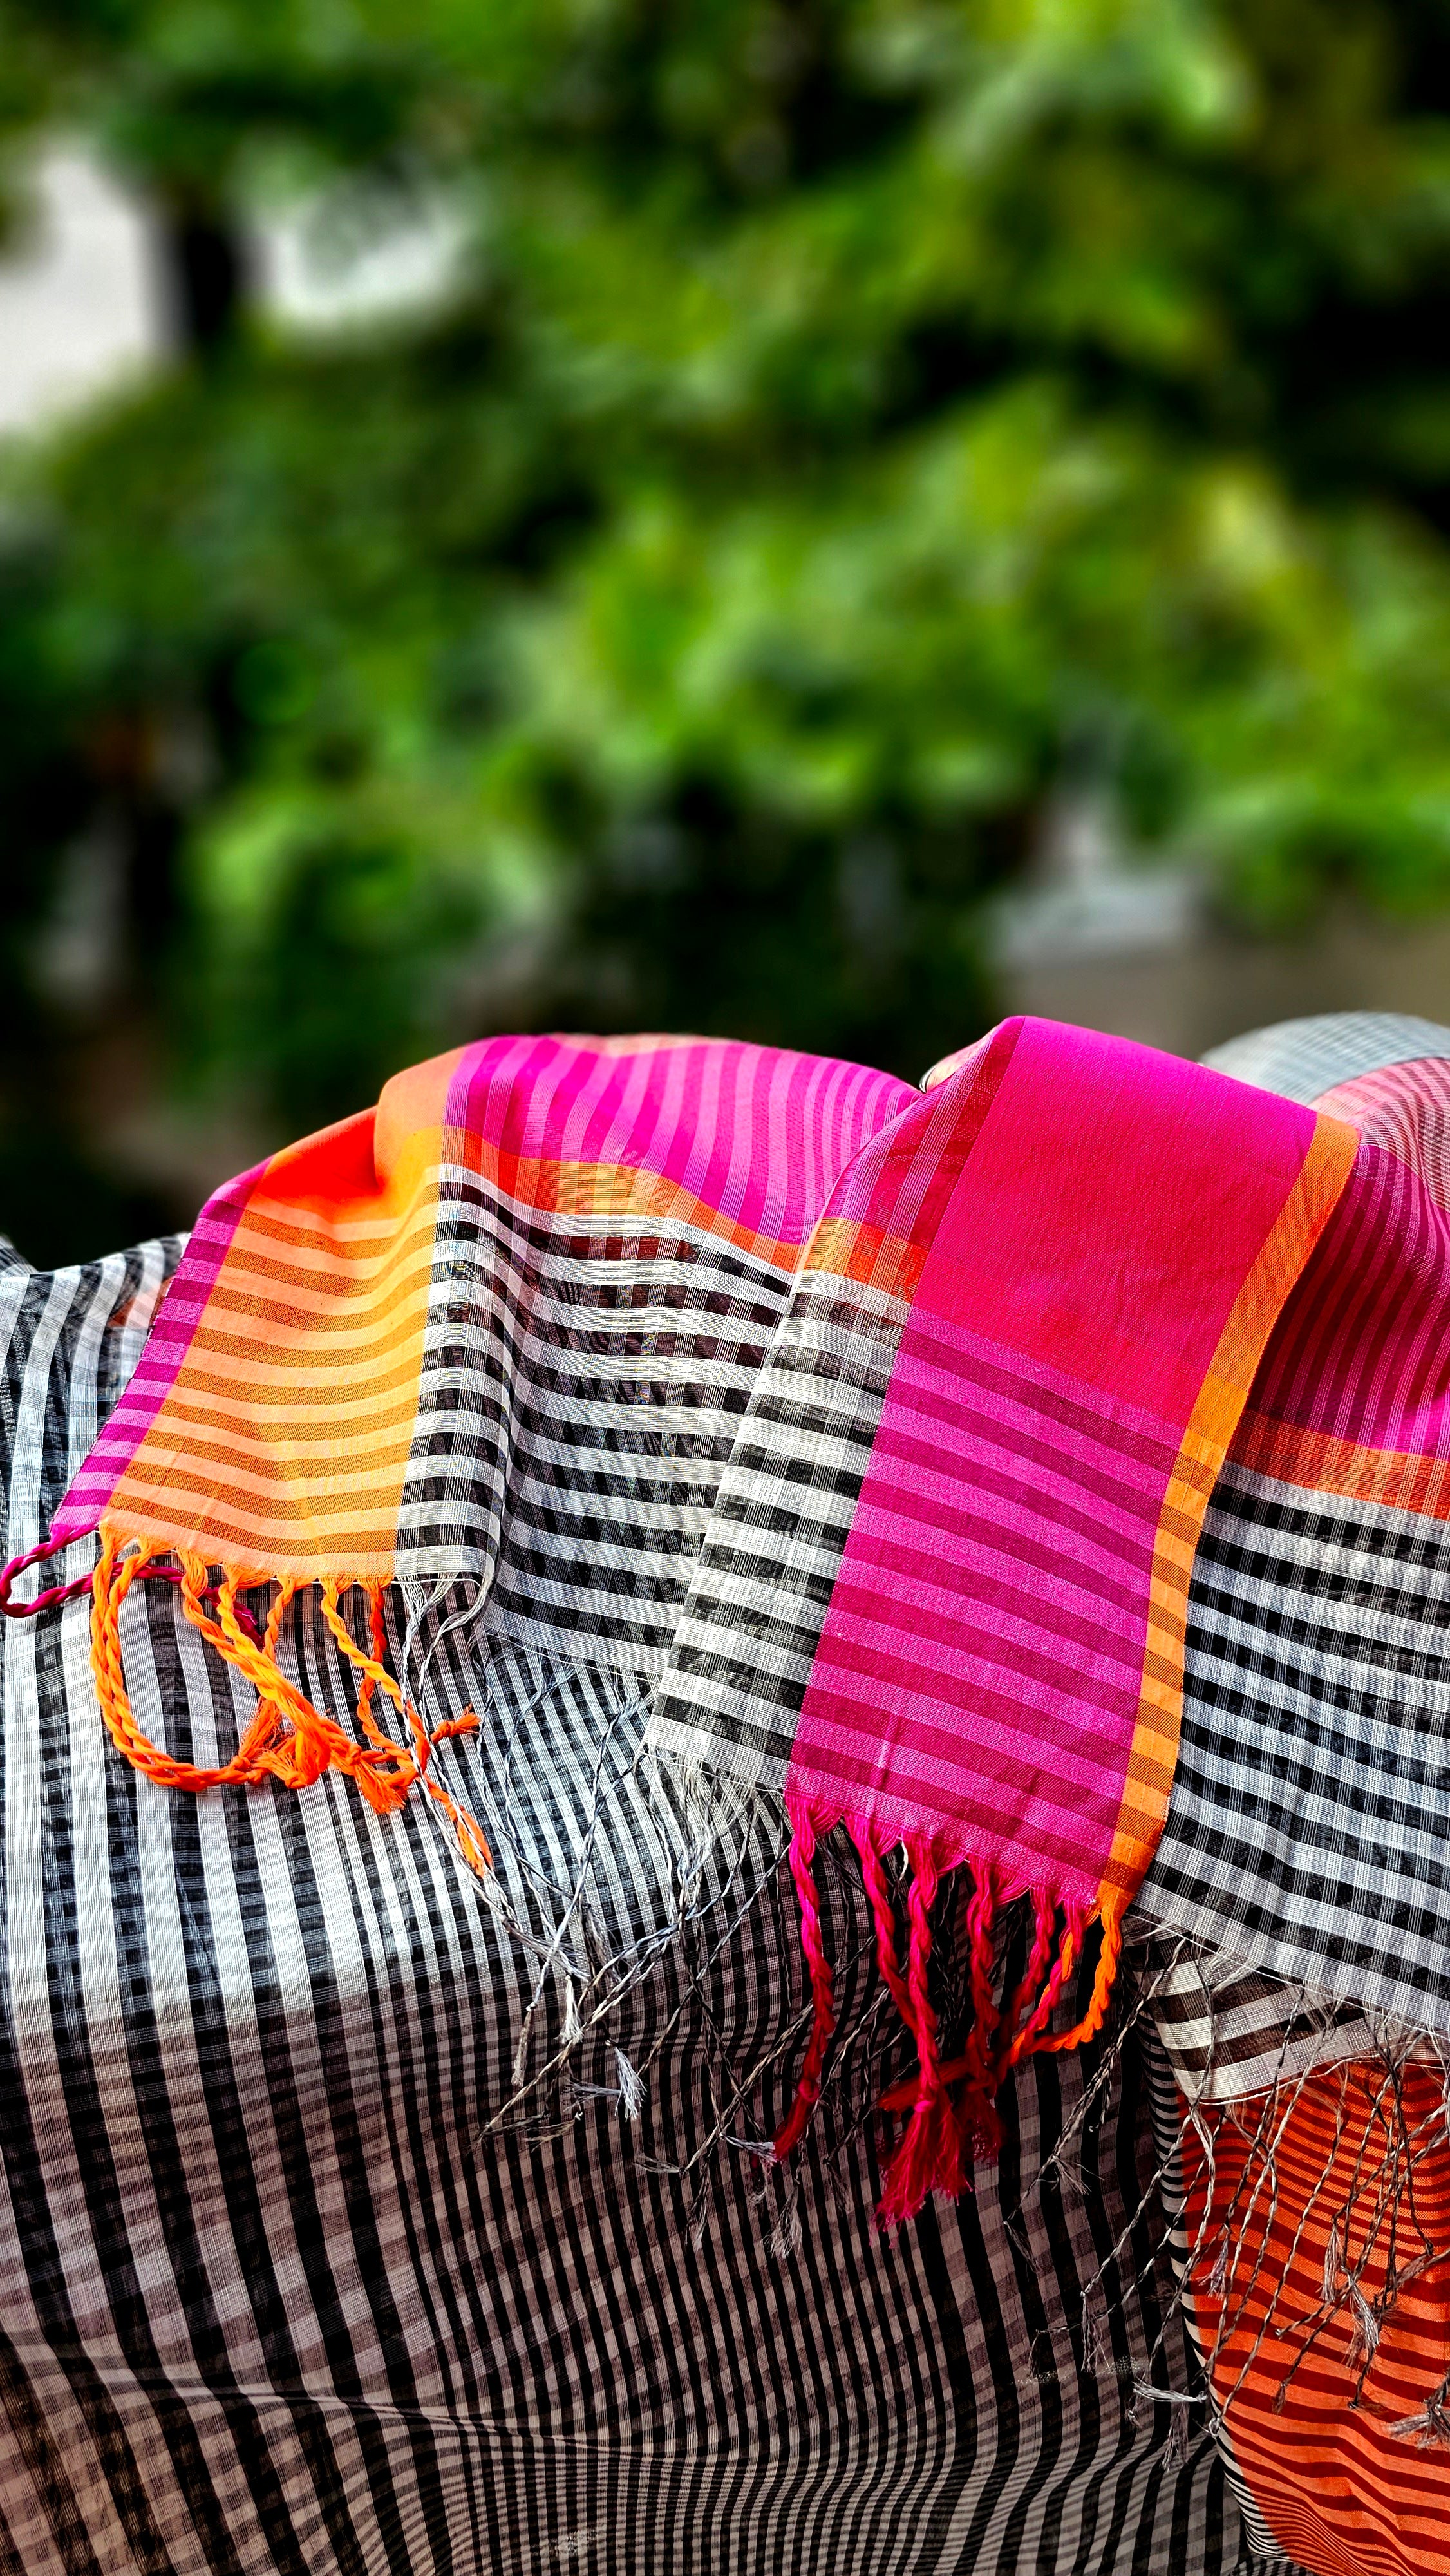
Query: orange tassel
287, 1739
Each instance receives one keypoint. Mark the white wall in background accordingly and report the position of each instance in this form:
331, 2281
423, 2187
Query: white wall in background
77, 305
352, 257
79, 310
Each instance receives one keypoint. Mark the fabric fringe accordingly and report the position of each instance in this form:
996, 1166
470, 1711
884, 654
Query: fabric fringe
952, 2121
949, 2106
287, 1740
823, 2007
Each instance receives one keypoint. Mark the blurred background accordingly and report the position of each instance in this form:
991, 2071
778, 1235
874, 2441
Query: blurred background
825, 520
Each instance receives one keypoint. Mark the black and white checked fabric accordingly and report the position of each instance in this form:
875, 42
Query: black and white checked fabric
579, 1397
730, 1696
1308, 1831
1228, 2031
354, 2217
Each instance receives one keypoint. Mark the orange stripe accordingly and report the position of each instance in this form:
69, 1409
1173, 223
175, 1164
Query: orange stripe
325, 1289
843, 1249
202, 1493
219, 1408
1402, 1481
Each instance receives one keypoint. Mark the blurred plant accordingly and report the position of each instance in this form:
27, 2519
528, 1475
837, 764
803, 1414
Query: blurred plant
851, 420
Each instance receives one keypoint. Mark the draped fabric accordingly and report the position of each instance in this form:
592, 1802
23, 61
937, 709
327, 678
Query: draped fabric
1053, 1275
1300, 1881
454, 2165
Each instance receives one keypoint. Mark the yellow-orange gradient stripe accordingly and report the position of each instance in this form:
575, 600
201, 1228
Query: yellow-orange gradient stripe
1154, 1754
597, 1192
1310, 2189
846, 1248
282, 1446
1401, 1481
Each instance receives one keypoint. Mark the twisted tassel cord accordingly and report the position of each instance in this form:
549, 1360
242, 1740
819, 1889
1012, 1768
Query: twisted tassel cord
1029, 2038
377, 1677
56, 1593
929, 2157
287, 1739
254, 1757
883, 1915
150, 1570
982, 2130
1011, 2049
1114, 1907
1025, 2001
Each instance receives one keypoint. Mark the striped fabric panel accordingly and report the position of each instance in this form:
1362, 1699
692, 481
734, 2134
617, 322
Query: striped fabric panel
1167, 2113
1334, 2394
313, 1284
1309, 1830
984, 1467
162, 1355
746, 1640
322, 1284
748, 1140
1358, 1361
1411, 1121
1028, 1443
292, 2282
579, 1393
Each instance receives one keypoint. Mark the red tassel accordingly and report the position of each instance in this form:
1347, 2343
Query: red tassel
977, 2110
808, 2091
943, 2138
1028, 1992
929, 2157
1034, 2034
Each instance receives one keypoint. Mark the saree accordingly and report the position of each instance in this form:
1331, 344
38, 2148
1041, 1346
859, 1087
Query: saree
861, 1445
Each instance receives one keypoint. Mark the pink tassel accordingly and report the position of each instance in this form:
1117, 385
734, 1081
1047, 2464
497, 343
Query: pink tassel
873, 1878
943, 2137
808, 2091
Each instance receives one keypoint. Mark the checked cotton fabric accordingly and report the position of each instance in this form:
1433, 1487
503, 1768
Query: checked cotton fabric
530, 1318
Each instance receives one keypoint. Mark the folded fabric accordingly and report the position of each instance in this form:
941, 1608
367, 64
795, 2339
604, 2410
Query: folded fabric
1309, 1831
879, 1426
305, 2272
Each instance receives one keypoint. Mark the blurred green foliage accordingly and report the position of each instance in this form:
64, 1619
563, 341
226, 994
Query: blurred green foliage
851, 420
